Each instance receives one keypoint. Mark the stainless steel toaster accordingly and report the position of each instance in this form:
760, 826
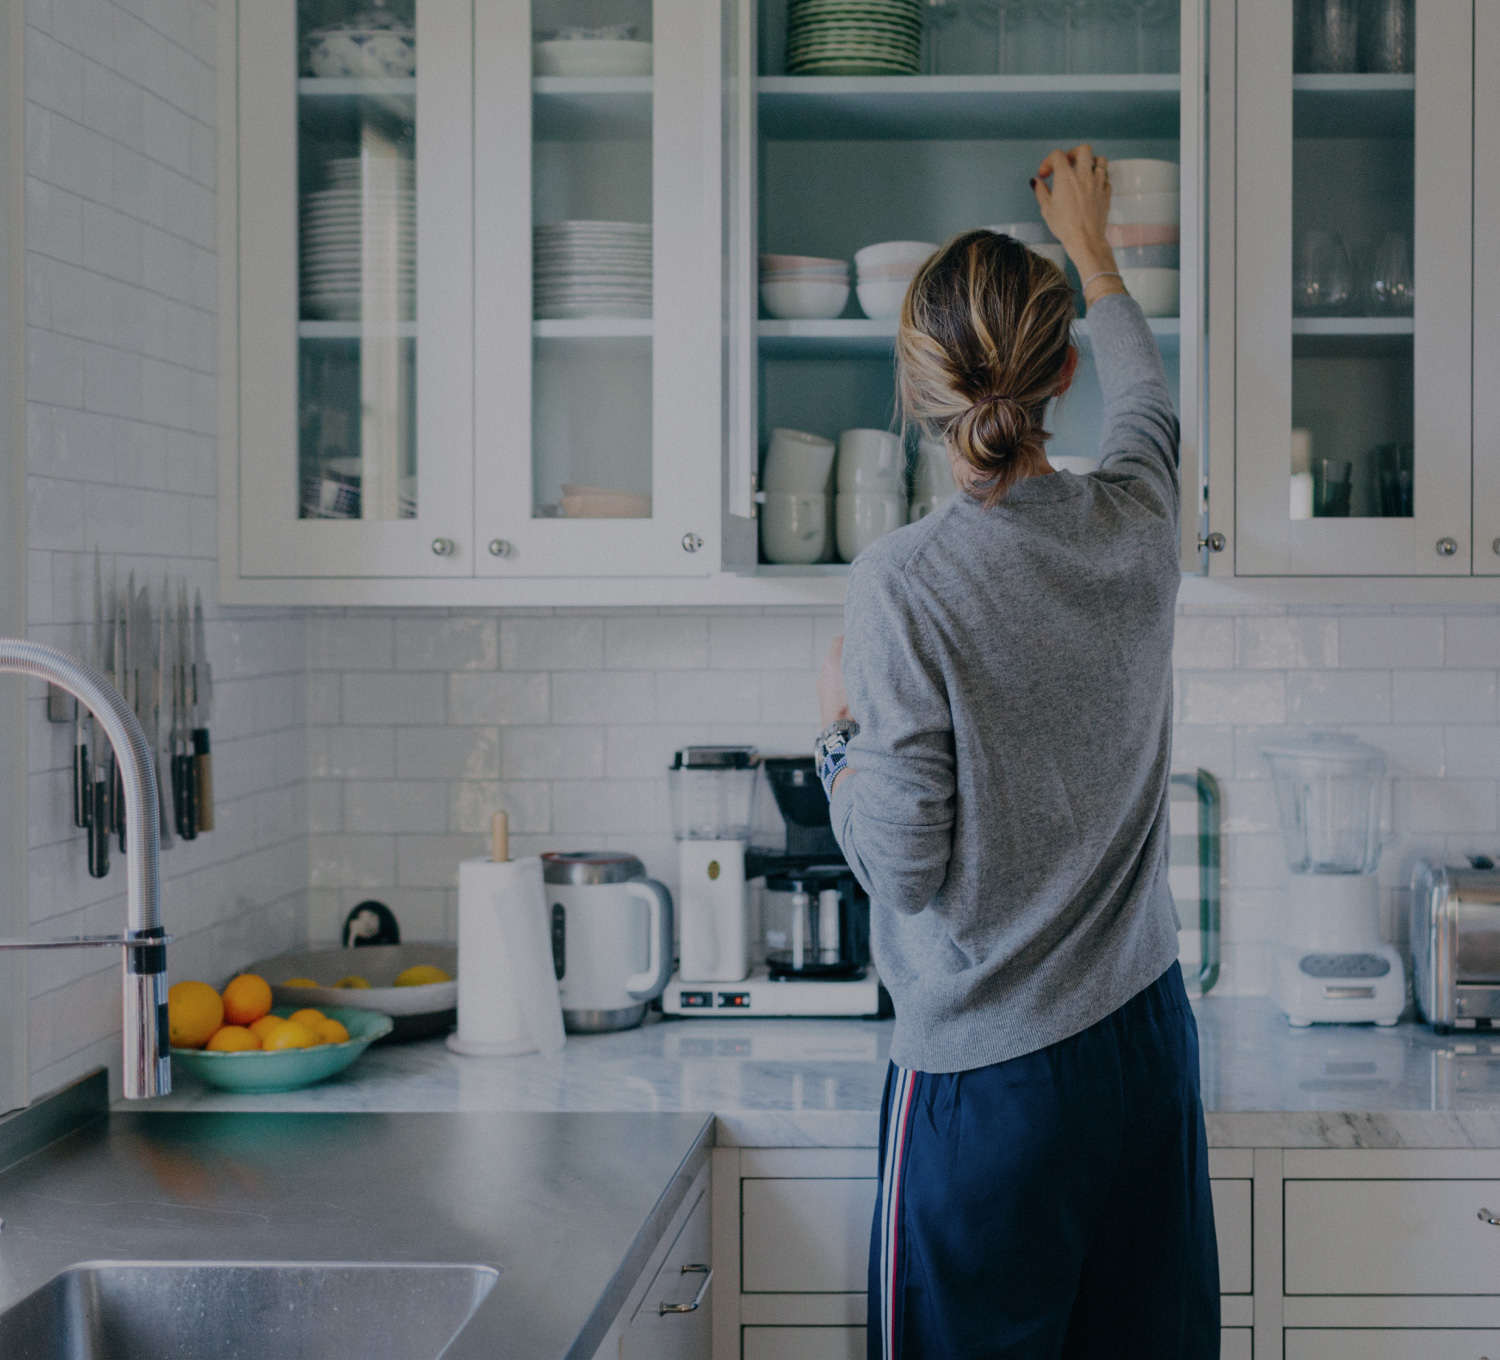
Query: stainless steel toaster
1455, 942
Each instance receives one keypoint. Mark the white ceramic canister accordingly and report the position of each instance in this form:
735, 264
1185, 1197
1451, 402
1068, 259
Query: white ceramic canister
611, 930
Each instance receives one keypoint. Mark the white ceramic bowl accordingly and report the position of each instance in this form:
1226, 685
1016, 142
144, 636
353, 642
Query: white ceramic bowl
592, 57
1143, 234
794, 527
1157, 290
1147, 209
1148, 257
1142, 176
801, 264
881, 299
914, 253
798, 462
1027, 233
804, 299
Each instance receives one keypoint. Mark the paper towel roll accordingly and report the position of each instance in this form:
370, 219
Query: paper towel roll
507, 986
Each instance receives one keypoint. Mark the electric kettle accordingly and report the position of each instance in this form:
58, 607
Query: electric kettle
611, 931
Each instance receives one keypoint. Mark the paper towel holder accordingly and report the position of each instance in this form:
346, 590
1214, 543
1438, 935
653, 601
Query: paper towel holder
500, 838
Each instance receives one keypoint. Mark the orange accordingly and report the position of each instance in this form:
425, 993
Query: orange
331, 1032
299, 982
246, 999
308, 1017
194, 1012
265, 1025
233, 1039
422, 975
290, 1035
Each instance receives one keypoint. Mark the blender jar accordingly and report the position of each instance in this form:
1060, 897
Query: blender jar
1328, 795
712, 790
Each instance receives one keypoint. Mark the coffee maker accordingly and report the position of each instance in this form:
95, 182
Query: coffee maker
815, 919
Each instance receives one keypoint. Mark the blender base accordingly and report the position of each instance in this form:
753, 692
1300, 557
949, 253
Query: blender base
761, 995
1314, 989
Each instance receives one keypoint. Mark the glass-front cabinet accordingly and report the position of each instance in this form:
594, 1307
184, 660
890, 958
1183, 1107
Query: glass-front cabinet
1353, 299
349, 189
598, 326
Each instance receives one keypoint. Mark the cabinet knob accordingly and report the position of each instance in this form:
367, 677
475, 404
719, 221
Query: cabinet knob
443, 547
1495, 546
691, 542
1215, 542
1447, 547
1485, 1216
499, 548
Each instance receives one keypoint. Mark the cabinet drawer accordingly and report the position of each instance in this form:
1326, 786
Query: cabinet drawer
805, 1236
1393, 1343
1391, 1237
803, 1343
1232, 1219
654, 1335
1236, 1343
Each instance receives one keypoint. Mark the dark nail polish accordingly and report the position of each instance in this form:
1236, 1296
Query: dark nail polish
1033, 183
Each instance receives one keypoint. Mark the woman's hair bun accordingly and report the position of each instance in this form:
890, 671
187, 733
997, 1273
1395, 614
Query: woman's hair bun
996, 433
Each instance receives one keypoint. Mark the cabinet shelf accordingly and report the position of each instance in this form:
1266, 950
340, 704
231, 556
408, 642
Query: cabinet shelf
355, 330
593, 328
861, 338
951, 108
1354, 105
583, 108
330, 87
1351, 337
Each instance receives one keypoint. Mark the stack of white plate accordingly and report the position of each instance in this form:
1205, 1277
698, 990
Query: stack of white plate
352, 223
592, 269
854, 37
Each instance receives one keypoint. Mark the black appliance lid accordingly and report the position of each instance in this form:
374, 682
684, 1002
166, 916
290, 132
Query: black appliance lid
799, 793
714, 758
812, 879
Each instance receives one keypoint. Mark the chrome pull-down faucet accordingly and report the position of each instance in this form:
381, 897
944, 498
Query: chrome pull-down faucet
148, 1063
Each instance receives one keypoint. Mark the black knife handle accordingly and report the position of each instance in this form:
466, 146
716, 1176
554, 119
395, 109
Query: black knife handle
184, 788
99, 831
203, 779
83, 794
117, 799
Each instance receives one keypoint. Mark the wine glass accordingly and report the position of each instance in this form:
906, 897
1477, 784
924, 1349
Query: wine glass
936, 16
1392, 288
1006, 18
1144, 15
1074, 17
1321, 279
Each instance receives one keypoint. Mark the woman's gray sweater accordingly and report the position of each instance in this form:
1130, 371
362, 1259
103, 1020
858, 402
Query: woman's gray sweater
1011, 672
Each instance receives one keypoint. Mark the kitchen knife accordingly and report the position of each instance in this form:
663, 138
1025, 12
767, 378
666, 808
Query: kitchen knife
83, 774
161, 715
203, 698
95, 792
129, 686
183, 766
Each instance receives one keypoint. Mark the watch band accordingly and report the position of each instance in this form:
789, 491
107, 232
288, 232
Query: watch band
831, 751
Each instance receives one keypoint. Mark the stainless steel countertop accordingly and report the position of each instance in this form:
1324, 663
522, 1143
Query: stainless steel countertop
567, 1206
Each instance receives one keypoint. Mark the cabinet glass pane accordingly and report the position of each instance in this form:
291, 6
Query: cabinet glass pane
1353, 177
356, 181
592, 256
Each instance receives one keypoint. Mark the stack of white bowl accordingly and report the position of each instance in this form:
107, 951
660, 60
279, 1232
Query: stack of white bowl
872, 489
1145, 230
803, 287
884, 272
359, 241
592, 269
796, 520
932, 483
1036, 237
609, 51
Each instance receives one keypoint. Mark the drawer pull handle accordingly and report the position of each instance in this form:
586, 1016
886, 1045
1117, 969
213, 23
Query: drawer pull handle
1485, 1216
697, 1302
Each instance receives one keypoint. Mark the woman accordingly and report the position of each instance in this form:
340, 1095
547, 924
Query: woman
998, 773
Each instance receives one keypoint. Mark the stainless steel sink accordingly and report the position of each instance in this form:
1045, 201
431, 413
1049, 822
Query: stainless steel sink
231, 1310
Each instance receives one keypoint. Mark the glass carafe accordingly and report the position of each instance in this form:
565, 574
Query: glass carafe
1328, 796
713, 792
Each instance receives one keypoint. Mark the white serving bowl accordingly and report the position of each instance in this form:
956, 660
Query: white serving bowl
801, 264
1143, 234
591, 57
914, 253
1157, 290
881, 299
804, 299
1146, 209
1027, 233
1142, 176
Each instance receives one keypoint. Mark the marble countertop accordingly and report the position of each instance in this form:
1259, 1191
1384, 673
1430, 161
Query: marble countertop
800, 1083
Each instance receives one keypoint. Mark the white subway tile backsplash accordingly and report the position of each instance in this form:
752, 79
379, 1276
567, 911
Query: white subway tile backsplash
439, 643
594, 808
351, 642
1452, 806
448, 753
504, 698
473, 804
375, 806
760, 642
372, 697
1291, 642
1203, 643
351, 861
651, 642
1443, 696
432, 861
707, 696
1472, 751
1338, 696
552, 753
645, 751
565, 642
1218, 697
1472, 640
603, 696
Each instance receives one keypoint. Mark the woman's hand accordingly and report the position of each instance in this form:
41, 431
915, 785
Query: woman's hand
833, 702
1076, 207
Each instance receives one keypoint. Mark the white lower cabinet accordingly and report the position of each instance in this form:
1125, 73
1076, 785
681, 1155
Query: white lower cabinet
807, 1236
1236, 1343
673, 1321
1390, 1343
804, 1343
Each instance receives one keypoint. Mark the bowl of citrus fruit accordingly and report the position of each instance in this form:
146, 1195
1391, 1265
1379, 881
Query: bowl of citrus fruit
236, 1039
415, 984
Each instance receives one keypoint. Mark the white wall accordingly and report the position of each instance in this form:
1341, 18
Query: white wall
423, 723
122, 420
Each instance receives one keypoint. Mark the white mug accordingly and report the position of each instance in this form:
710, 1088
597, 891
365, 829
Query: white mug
794, 527
870, 460
933, 476
925, 506
798, 462
864, 516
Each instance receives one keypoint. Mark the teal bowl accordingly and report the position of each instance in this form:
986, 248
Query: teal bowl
287, 1069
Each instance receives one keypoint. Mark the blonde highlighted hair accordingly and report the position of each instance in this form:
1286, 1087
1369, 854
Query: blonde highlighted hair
981, 349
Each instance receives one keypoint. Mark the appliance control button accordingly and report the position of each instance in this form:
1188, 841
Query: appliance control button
734, 1001
1344, 965
695, 1001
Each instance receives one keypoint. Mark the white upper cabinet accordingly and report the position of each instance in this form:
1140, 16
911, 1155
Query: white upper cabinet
1354, 280
1486, 292
345, 185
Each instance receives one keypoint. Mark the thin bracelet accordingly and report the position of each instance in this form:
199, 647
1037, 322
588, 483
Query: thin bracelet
1101, 274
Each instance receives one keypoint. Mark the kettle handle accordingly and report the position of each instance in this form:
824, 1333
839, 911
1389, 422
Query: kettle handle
652, 983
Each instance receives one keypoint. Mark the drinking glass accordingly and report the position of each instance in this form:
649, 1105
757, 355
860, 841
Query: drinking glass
1144, 15
936, 16
1392, 288
1006, 18
1076, 18
1394, 476
1388, 36
1333, 485
1327, 34
1321, 279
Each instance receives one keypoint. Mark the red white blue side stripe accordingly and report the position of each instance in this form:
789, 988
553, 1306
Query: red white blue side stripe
890, 1201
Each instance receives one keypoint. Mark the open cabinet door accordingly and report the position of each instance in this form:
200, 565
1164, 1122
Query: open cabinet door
1486, 373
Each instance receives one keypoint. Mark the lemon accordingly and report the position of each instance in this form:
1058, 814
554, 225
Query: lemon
299, 982
265, 1025
422, 975
233, 1039
194, 1012
308, 1017
353, 980
289, 1034
246, 999
331, 1032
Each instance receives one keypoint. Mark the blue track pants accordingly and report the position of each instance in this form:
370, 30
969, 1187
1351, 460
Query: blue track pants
1053, 1207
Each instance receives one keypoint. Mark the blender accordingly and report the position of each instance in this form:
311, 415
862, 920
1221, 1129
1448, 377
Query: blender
712, 790
1332, 966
